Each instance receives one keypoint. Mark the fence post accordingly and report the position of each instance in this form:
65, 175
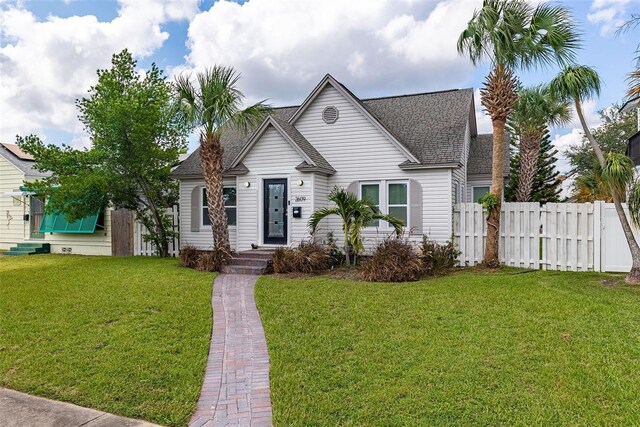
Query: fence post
598, 234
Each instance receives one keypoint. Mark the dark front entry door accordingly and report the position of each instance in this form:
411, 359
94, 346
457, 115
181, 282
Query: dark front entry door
275, 212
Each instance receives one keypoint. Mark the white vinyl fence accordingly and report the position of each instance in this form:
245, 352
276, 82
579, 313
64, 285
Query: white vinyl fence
140, 247
553, 236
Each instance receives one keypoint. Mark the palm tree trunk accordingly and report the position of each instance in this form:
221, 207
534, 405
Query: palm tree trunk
498, 97
529, 153
491, 254
634, 273
346, 244
211, 161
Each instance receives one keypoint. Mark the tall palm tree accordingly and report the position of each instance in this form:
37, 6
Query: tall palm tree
213, 105
355, 214
536, 109
578, 83
511, 34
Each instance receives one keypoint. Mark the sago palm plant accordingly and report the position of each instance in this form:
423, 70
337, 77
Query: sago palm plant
355, 215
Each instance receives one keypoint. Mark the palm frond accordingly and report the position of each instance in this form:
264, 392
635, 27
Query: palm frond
515, 34
618, 173
251, 116
316, 217
634, 203
576, 82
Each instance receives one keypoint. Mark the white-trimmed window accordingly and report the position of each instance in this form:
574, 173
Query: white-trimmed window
370, 191
477, 191
390, 197
229, 195
398, 200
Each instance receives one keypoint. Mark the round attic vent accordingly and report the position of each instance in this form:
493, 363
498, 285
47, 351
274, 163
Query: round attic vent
330, 114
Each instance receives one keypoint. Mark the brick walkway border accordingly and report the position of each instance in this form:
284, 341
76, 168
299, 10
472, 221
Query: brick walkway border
235, 391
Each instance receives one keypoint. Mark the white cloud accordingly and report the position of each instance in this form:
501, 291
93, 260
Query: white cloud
590, 112
382, 47
46, 64
609, 14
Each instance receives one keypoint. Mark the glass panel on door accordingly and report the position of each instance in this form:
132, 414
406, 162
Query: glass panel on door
275, 211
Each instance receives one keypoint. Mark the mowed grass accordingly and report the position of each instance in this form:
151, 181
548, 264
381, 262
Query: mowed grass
123, 335
474, 348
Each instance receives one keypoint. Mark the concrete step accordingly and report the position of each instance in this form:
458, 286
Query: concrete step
19, 252
255, 262
243, 269
255, 254
29, 249
24, 245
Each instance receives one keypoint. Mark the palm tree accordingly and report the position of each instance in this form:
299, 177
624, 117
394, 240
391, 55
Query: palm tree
511, 34
214, 105
355, 215
536, 109
578, 83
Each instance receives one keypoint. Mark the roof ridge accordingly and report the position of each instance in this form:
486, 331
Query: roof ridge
418, 94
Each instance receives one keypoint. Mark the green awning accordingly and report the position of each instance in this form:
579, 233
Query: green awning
56, 222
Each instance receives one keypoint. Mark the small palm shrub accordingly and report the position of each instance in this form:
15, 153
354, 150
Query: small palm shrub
438, 258
189, 256
394, 260
211, 260
308, 257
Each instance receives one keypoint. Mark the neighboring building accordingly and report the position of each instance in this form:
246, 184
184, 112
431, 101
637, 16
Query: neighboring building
22, 219
416, 155
633, 146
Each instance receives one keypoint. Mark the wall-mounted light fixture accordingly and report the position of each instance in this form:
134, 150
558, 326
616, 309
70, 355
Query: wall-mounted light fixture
247, 184
300, 182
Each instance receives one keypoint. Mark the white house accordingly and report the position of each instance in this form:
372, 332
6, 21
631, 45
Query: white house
416, 155
22, 219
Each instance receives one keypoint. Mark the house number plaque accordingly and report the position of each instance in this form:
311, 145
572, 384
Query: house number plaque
301, 198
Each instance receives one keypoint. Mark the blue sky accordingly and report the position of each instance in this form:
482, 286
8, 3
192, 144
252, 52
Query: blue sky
49, 51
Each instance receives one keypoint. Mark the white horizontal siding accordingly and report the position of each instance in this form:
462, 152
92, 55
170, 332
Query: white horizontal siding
13, 228
98, 243
272, 157
320, 200
358, 150
202, 239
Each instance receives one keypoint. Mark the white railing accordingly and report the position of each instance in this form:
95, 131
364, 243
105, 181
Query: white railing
553, 236
140, 247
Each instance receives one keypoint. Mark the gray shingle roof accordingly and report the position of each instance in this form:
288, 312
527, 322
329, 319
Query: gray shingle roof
233, 142
27, 166
431, 126
481, 155
305, 146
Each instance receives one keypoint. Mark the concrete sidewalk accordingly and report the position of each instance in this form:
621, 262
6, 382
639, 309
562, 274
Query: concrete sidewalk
22, 410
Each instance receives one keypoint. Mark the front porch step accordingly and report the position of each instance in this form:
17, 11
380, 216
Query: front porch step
263, 254
250, 262
29, 248
256, 262
243, 269
46, 246
19, 252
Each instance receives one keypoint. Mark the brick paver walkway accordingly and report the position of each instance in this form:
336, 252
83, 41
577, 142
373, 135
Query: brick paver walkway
236, 383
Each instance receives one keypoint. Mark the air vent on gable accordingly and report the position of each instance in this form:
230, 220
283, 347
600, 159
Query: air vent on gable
330, 115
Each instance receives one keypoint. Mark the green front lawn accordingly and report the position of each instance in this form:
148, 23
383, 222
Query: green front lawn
123, 335
474, 348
